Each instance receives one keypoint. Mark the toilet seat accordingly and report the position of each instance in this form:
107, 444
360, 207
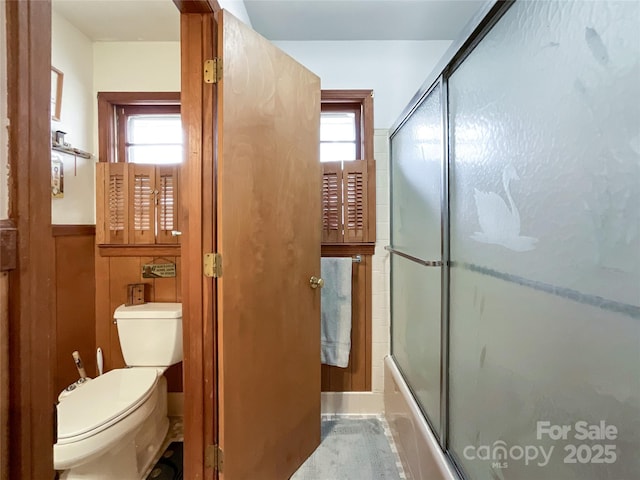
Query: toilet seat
103, 401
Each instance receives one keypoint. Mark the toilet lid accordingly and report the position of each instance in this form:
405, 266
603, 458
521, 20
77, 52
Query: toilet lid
103, 400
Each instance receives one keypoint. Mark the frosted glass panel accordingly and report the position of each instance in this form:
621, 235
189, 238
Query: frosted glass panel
416, 331
416, 174
545, 242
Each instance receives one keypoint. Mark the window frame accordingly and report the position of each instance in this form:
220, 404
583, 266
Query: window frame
341, 100
362, 100
108, 102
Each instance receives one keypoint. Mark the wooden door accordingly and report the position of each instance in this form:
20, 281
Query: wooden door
268, 233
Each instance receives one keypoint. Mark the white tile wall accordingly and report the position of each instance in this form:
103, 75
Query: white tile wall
380, 268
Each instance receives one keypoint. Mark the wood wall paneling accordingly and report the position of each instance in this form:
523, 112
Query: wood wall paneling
356, 377
114, 273
75, 302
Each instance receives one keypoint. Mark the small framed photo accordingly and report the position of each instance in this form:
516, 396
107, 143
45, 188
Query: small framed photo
57, 177
56, 93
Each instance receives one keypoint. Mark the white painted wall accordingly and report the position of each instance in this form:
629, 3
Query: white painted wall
393, 69
72, 53
4, 122
136, 67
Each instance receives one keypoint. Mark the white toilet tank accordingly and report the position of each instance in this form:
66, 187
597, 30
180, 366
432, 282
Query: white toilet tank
150, 334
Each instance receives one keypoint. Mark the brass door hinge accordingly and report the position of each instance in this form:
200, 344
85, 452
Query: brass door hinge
213, 457
213, 70
212, 265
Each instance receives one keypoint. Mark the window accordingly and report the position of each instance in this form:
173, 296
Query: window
138, 176
340, 132
348, 167
139, 127
149, 134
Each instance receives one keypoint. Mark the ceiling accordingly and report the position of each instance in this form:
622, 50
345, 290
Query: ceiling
360, 19
158, 20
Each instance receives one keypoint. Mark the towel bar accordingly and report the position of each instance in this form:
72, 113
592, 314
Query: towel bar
357, 258
426, 263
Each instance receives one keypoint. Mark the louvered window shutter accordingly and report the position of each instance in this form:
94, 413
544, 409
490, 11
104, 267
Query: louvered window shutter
142, 194
167, 204
112, 181
331, 202
354, 188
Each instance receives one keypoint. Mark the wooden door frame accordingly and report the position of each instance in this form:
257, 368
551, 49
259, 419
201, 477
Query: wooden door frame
31, 303
197, 36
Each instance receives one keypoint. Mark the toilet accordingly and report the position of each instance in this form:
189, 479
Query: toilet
113, 427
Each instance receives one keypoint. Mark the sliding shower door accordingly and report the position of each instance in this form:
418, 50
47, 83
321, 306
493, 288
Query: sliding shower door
545, 245
416, 225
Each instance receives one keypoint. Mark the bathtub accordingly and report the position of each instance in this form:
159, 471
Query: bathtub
418, 448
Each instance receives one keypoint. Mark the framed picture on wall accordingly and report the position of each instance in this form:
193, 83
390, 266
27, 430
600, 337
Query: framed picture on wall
57, 177
56, 93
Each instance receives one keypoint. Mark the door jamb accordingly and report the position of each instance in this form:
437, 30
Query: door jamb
31, 301
197, 37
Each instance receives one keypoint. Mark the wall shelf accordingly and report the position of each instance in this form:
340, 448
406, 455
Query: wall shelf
72, 151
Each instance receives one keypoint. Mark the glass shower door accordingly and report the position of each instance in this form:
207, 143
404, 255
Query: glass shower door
545, 242
416, 226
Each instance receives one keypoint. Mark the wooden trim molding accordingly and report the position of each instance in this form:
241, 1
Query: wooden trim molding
32, 334
73, 230
345, 96
139, 250
197, 6
8, 245
347, 249
140, 98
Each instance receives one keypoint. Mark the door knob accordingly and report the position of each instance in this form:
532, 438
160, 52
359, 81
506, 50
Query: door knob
316, 282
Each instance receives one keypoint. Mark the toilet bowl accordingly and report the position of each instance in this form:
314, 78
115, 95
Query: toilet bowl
112, 427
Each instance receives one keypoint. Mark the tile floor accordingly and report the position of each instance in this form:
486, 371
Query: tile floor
353, 447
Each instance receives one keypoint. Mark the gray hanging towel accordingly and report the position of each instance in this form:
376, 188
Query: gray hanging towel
335, 307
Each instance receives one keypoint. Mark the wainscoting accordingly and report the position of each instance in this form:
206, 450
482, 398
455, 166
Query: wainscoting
75, 288
357, 376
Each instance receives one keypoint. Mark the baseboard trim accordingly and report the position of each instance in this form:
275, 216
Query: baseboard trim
352, 403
